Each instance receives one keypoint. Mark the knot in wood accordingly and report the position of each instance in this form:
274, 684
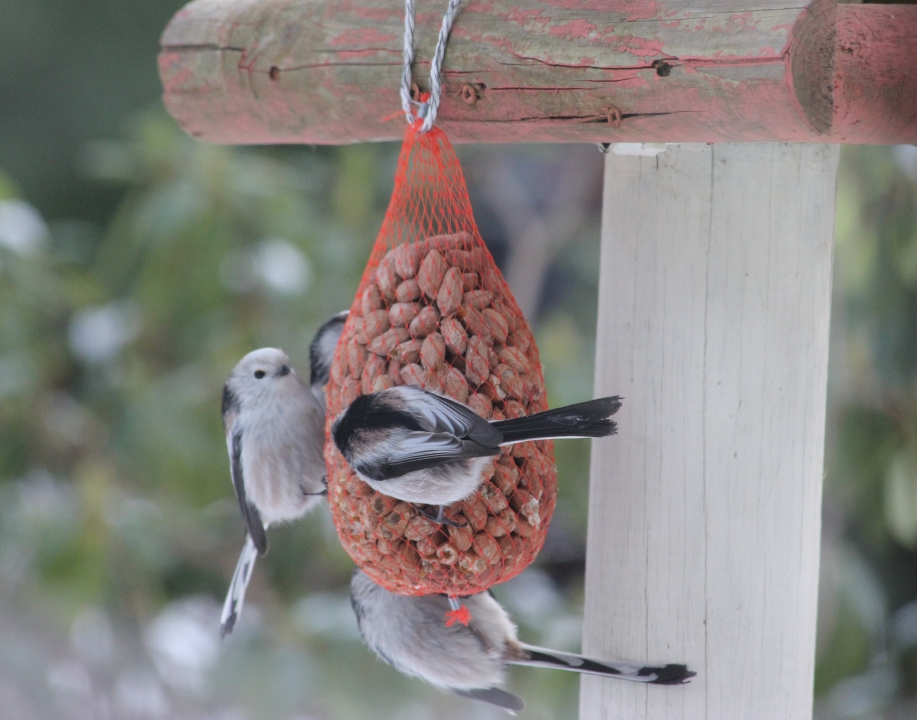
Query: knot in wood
469, 94
615, 116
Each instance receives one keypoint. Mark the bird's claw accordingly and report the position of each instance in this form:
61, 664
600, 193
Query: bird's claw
440, 518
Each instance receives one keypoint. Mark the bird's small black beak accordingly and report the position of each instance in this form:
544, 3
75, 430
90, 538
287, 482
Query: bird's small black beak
284, 370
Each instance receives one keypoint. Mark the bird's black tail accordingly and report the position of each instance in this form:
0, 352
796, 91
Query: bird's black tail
670, 674
587, 419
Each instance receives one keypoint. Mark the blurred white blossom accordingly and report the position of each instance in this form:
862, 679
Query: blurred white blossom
906, 159
532, 596
184, 643
17, 373
99, 333
92, 636
139, 694
22, 229
283, 267
326, 614
42, 499
274, 264
70, 677
904, 625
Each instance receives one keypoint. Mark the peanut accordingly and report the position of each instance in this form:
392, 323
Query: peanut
455, 336
455, 386
477, 368
478, 299
383, 382
387, 341
356, 357
406, 260
401, 313
349, 392
409, 351
371, 299
476, 324
515, 358
375, 323
420, 527
386, 278
433, 351
487, 547
461, 537
493, 498
425, 322
431, 272
496, 323
449, 296
480, 404
408, 290
447, 554
412, 375
374, 367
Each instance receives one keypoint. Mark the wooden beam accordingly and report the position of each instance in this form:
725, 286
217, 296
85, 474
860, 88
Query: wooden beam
314, 71
705, 513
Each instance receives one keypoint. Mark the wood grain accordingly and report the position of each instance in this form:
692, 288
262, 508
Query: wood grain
704, 512
273, 71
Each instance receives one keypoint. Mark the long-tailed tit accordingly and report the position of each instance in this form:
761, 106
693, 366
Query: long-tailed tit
275, 433
321, 353
411, 635
420, 447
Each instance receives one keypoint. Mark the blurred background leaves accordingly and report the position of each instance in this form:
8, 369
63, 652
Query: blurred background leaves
136, 268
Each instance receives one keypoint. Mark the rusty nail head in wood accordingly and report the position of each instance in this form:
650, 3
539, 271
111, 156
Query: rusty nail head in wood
615, 116
469, 94
415, 91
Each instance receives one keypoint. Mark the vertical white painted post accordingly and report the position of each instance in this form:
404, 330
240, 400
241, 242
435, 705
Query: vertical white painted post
704, 514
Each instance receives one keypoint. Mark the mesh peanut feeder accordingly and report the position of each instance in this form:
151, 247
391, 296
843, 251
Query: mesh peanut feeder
433, 310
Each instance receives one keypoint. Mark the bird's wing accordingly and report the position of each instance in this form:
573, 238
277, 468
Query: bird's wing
249, 511
235, 597
444, 415
495, 696
421, 451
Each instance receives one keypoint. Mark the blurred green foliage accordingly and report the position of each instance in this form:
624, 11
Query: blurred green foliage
113, 466
868, 604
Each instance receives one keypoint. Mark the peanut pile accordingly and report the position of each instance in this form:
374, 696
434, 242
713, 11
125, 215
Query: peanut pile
438, 314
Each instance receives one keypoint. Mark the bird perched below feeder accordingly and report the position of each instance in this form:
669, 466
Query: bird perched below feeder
417, 446
412, 635
275, 432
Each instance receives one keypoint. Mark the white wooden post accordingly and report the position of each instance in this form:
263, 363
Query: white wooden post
704, 515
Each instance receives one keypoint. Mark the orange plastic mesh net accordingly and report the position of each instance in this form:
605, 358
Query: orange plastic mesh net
433, 310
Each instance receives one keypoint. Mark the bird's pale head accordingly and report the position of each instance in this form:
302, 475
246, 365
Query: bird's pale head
259, 375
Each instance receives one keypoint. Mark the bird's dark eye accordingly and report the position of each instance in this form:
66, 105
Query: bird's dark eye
285, 370
259, 374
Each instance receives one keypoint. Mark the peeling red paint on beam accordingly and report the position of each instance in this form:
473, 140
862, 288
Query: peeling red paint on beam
871, 101
270, 71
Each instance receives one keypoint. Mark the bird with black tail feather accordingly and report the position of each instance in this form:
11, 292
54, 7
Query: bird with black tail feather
411, 634
421, 447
